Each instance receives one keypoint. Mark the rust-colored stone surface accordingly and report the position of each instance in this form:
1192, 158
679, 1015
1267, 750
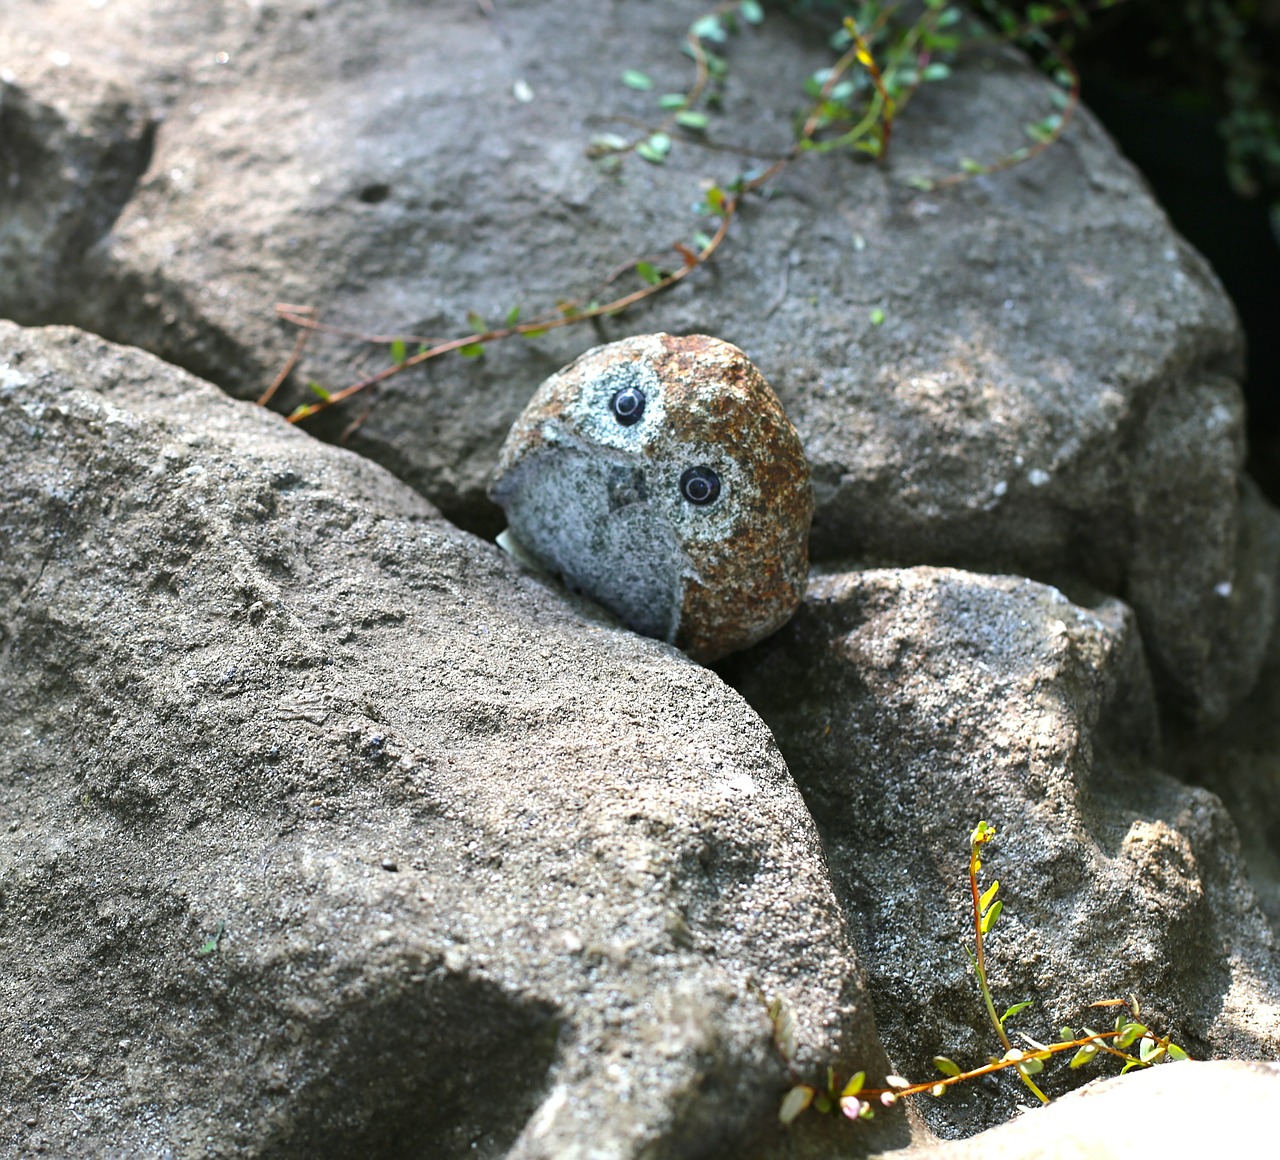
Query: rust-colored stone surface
660, 476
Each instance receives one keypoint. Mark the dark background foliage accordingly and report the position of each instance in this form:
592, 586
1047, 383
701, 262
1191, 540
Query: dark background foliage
1191, 92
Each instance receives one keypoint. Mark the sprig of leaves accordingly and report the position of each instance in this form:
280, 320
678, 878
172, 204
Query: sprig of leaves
856, 1101
884, 61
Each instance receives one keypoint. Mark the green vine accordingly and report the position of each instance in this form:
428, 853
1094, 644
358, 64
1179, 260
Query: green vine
858, 1102
886, 52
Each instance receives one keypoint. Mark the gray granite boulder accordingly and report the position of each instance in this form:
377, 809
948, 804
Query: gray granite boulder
326, 831
1051, 391
912, 703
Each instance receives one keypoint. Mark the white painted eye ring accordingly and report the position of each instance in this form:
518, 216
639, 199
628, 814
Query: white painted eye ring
628, 405
700, 486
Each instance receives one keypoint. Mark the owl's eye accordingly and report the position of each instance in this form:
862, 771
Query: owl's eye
700, 485
627, 405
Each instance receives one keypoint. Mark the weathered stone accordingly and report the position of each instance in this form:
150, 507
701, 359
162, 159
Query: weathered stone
1240, 759
660, 476
912, 703
73, 144
328, 831
1050, 392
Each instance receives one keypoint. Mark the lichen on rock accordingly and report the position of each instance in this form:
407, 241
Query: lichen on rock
660, 476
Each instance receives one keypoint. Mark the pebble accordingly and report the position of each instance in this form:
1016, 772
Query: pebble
661, 477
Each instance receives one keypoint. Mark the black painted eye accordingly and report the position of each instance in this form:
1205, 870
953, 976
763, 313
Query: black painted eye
700, 485
627, 405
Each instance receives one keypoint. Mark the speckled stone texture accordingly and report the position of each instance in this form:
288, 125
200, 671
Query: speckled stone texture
910, 703
1051, 391
597, 492
327, 832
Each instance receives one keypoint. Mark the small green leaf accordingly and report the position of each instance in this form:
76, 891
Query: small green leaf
795, 1102
1067, 1034
302, 412
751, 11
471, 350
822, 1103
947, 1066
1014, 1010
989, 919
655, 148
536, 332
919, 182
717, 66
1176, 1052
672, 101
877, 316
691, 120
854, 1086
701, 241
1031, 1066
1084, 1055
635, 79
316, 389
399, 351
1129, 1034
709, 28
1043, 130
1147, 1049
649, 272
969, 165
987, 895
423, 348
937, 71
476, 322
211, 943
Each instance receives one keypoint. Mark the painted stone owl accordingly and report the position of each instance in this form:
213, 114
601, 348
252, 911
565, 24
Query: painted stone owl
660, 476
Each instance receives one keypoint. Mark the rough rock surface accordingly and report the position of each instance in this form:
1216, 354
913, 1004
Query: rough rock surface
1051, 391
1240, 763
73, 145
911, 703
327, 831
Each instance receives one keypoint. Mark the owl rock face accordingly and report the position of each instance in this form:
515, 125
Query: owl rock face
659, 476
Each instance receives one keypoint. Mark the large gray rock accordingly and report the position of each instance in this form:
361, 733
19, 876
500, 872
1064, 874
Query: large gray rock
1051, 392
911, 703
328, 832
